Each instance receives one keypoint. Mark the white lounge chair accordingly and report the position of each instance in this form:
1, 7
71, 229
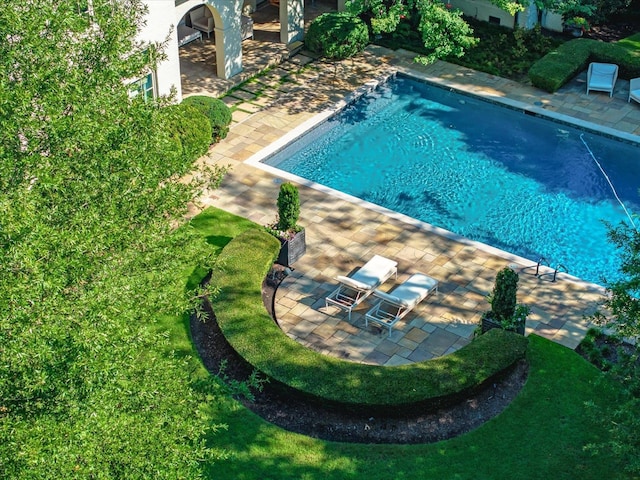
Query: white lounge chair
602, 77
354, 289
634, 90
393, 306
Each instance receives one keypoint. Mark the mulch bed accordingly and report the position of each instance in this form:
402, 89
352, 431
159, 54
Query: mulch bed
614, 31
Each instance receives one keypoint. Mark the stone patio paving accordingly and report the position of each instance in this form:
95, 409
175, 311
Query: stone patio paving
343, 233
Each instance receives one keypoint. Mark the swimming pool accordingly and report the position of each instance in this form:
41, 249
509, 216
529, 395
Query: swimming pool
517, 182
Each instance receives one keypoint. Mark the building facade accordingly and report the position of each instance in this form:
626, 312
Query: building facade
227, 21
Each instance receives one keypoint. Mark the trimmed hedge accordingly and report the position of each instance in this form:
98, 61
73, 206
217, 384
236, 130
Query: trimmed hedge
558, 67
216, 111
337, 35
255, 336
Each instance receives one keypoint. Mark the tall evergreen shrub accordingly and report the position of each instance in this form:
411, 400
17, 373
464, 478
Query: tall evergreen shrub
503, 296
288, 207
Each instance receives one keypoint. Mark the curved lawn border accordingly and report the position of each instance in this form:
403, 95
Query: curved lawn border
252, 333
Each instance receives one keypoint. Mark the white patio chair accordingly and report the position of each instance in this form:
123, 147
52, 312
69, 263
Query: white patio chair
602, 77
354, 289
634, 90
393, 306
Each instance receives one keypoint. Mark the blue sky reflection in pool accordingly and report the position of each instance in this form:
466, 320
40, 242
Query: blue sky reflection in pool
520, 183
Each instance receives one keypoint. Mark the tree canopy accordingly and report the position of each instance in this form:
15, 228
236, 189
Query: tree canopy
89, 263
443, 30
621, 316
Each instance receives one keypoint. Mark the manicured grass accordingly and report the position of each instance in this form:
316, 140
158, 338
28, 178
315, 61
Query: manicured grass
631, 43
218, 228
539, 436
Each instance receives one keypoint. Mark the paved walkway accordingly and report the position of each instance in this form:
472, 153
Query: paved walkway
264, 50
343, 233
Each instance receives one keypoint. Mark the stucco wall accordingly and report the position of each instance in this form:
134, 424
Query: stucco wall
482, 10
161, 21
551, 21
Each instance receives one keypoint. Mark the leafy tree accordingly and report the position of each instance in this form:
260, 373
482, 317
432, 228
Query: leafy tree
443, 30
382, 15
569, 8
595, 10
89, 262
337, 35
621, 306
621, 314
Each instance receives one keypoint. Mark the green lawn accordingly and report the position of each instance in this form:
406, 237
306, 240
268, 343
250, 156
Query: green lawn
631, 43
540, 436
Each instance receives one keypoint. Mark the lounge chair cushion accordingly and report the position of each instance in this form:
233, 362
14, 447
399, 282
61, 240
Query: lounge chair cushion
355, 288
387, 297
350, 282
602, 77
374, 270
391, 307
411, 291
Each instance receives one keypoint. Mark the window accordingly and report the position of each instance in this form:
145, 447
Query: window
142, 87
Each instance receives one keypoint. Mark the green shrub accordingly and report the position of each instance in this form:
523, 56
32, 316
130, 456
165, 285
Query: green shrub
337, 35
249, 329
558, 67
502, 51
216, 111
288, 207
503, 297
187, 128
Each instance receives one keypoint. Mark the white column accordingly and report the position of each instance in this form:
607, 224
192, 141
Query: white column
291, 21
551, 21
228, 38
228, 51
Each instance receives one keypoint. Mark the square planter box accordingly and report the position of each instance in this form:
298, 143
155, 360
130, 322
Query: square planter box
292, 250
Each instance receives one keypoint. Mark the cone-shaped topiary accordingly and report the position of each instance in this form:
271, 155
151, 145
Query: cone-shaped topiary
288, 207
503, 298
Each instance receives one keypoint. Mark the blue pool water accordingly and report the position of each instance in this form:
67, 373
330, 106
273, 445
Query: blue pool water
517, 182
